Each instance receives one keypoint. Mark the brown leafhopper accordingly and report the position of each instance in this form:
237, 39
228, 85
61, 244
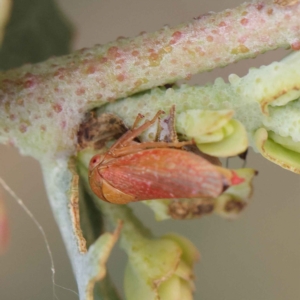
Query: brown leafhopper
131, 171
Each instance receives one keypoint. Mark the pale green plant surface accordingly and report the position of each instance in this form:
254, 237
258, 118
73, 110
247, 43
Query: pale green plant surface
42, 106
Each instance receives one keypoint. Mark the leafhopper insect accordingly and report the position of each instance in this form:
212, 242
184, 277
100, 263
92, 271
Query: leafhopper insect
131, 171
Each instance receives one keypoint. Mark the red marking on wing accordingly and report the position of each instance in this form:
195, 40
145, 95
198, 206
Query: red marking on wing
163, 173
235, 179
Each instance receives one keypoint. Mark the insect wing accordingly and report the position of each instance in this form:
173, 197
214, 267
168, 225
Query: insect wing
163, 173
96, 184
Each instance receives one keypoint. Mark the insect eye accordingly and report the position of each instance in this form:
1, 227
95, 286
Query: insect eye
94, 162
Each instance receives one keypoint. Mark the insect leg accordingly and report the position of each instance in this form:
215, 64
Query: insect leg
148, 145
131, 134
137, 120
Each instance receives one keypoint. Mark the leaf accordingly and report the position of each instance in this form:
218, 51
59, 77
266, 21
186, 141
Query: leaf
276, 152
234, 143
36, 31
95, 261
214, 132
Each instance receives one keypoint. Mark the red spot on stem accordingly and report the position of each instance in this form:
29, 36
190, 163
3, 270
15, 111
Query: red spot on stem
40, 100
244, 21
80, 91
120, 77
91, 69
23, 128
29, 83
112, 52
176, 36
259, 6
20, 102
295, 45
57, 107
135, 53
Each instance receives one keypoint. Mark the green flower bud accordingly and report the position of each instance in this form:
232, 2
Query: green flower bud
161, 269
215, 132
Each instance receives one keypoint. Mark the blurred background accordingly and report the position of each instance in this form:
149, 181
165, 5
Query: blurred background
254, 257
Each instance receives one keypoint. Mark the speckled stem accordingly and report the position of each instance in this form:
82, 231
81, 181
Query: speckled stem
39, 102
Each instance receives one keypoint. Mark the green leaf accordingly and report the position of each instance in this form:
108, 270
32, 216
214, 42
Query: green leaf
36, 31
105, 290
